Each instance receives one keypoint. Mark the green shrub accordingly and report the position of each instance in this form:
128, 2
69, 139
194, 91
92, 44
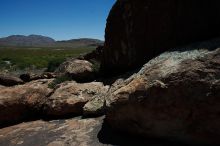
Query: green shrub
54, 64
59, 80
96, 65
25, 58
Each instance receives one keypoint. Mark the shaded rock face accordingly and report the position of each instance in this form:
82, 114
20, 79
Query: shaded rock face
137, 31
6, 80
174, 96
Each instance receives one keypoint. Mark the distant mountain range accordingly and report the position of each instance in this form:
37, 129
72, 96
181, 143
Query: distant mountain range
43, 41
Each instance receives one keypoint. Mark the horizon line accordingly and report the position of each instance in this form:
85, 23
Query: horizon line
52, 37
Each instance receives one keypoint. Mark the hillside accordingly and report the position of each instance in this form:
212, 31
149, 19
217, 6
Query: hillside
23, 41
44, 41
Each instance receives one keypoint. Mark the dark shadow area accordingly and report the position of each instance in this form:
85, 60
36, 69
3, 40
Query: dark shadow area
210, 45
108, 79
29, 117
109, 136
108, 76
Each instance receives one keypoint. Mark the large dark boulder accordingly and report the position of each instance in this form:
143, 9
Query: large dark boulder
175, 96
137, 31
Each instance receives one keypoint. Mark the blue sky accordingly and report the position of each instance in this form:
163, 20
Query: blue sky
59, 19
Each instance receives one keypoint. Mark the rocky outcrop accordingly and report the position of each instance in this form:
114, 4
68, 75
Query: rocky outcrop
22, 102
137, 31
7, 80
36, 100
174, 96
78, 70
70, 97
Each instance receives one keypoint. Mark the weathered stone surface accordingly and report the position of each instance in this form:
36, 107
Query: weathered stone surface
79, 70
174, 96
6, 80
95, 107
70, 97
137, 31
18, 102
21, 102
71, 132
35, 99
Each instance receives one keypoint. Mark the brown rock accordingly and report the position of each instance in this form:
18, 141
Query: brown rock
79, 70
71, 132
35, 99
21, 102
7, 80
137, 31
175, 96
70, 97
95, 107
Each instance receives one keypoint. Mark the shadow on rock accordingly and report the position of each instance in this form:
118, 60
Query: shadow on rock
109, 136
